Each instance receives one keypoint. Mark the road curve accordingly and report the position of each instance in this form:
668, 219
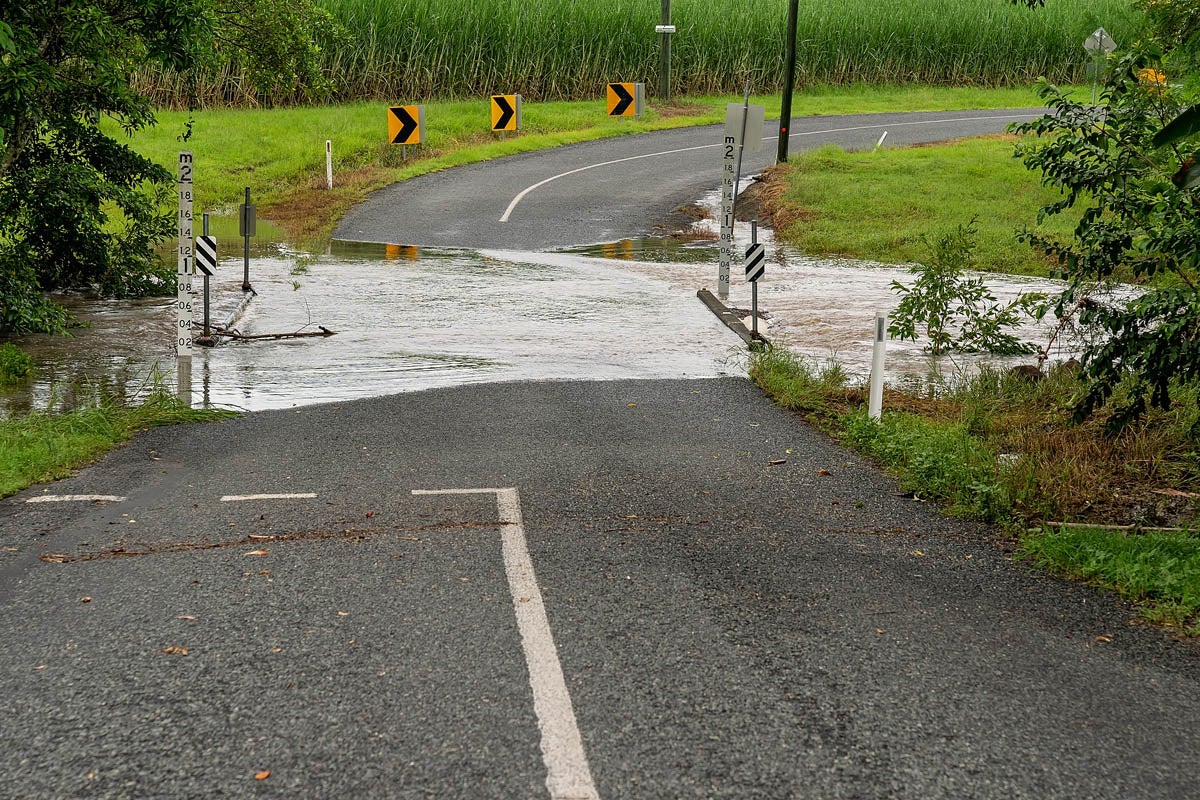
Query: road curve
612, 189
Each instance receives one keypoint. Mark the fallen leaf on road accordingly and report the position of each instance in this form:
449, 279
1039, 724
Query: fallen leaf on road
262, 776
39, 668
258, 552
879, 631
258, 537
824, 473
85, 599
56, 558
777, 462
917, 553
175, 651
187, 617
343, 613
1106, 638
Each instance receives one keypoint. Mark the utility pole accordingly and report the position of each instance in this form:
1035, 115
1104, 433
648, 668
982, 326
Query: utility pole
789, 78
664, 54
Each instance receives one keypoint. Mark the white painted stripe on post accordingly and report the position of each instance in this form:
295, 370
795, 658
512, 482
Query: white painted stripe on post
568, 776
76, 498
238, 498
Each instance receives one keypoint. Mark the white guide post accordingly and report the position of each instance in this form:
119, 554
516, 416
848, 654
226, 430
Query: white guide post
875, 405
329, 163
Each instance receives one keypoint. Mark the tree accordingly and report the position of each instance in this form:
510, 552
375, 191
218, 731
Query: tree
77, 208
277, 45
1126, 162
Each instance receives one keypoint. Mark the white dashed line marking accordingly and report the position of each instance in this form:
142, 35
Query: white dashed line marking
76, 498
568, 776
240, 498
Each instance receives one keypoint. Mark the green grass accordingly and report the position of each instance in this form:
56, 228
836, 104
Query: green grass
878, 205
567, 49
45, 446
1159, 571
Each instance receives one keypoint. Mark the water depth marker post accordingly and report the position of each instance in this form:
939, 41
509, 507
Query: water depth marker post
743, 123
183, 296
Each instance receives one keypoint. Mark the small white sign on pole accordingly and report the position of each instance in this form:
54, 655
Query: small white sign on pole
1100, 42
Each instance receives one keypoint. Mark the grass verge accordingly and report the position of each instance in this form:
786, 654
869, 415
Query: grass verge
45, 446
878, 205
1159, 571
997, 448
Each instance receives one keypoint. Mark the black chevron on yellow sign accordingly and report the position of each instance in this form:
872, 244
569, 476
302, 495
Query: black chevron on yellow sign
621, 99
506, 112
406, 124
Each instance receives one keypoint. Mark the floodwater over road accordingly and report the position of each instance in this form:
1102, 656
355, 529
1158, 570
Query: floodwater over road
409, 319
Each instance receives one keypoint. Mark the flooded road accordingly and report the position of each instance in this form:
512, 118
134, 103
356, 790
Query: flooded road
408, 319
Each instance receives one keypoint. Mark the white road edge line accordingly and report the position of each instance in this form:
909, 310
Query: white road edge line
76, 498
517, 200
238, 498
568, 776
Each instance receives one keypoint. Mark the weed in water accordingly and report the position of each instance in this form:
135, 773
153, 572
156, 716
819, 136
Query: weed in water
954, 311
15, 365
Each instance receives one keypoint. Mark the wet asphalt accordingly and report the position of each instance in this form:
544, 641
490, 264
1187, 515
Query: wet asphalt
741, 608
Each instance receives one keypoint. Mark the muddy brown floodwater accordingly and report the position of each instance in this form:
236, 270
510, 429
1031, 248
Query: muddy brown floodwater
408, 319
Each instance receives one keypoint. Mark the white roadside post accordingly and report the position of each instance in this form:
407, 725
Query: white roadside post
183, 295
329, 163
875, 404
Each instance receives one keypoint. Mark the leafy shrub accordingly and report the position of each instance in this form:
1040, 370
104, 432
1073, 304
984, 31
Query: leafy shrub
15, 366
955, 311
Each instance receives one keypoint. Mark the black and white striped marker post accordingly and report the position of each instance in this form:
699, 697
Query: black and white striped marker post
206, 262
756, 256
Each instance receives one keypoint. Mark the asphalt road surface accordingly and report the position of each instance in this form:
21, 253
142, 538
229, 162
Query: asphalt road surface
625, 589
735, 608
615, 188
